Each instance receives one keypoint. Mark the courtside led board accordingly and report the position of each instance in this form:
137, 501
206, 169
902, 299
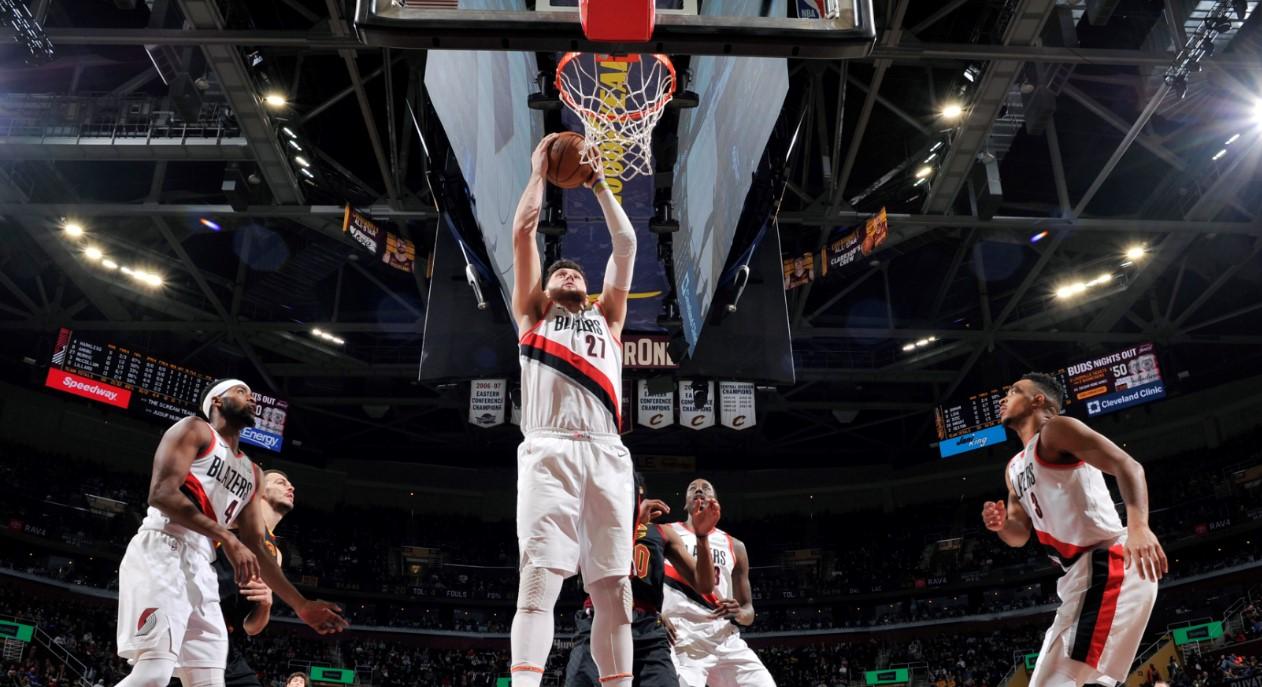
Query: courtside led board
1198, 633
16, 631
337, 676
896, 676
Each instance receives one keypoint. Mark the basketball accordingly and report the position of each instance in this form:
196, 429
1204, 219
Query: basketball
565, 161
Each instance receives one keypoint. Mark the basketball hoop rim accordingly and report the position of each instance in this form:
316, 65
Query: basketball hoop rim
630, 116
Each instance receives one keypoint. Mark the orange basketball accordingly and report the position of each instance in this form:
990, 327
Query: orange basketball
565, 161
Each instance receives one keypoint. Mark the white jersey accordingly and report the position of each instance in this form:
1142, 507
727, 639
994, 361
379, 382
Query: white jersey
219, 483
682, 602
1069, 505
571, 373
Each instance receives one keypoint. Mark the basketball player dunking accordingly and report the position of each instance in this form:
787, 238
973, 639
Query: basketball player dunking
169, 617
709, 649
248, 608
575, 490
654, 545
1056, 492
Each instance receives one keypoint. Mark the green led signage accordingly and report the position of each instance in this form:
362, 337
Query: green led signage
1197, 633
337, 676
896, 676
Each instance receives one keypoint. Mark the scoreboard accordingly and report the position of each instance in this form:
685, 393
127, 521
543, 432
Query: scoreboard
125, 378
1119, 380
970, 424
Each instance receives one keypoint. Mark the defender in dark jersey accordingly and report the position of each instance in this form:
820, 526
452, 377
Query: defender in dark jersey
247, 609
654, 544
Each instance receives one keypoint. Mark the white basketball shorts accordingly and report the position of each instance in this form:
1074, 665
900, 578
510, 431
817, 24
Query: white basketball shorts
1103, 613
724, 660
575, 503
168, 599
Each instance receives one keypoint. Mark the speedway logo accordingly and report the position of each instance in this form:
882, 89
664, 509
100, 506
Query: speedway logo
87, 388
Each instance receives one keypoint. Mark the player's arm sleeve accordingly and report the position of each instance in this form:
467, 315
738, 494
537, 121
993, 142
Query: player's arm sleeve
621, 264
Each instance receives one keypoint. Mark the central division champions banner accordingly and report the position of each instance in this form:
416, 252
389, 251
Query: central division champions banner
587, 240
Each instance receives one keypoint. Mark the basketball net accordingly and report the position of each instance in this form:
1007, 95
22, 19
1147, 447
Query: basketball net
619, 99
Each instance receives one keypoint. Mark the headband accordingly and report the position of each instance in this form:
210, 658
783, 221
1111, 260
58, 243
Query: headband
219, 390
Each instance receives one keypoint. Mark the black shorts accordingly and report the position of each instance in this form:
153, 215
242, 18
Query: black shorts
652, 665
238, 672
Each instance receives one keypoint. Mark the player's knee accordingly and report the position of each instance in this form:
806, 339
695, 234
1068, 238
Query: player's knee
538, 590
612, 596
152, 669
201, 677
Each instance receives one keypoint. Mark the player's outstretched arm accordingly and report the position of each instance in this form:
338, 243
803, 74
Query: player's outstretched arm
1065, 436
180, 446
323, 617
528, 298
1008, 520
621, 266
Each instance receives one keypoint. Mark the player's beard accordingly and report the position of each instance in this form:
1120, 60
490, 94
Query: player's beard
238, 415
570, 298
280, 506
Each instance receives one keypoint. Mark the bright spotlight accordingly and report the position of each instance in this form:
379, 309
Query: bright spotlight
1219, 155
1257, 112
317, 332
210, 224
924, 172
1135, 252
1039, 236
1233, 139
275, 100
909, 347
301, 161
289, 132
952, 111
109, 264
294, 144
73, 229
93, 253
307, 173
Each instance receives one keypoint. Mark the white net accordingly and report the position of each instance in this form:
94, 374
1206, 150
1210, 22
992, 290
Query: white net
619, 99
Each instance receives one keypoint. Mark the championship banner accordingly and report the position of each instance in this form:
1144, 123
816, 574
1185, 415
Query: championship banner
363, 231
737, 405
654, 411
690, 415
486, 401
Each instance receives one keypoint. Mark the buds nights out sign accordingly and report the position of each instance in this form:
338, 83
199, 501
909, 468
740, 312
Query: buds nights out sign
1119, 380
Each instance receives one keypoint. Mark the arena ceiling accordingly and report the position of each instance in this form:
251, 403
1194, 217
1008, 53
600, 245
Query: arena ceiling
1119, 162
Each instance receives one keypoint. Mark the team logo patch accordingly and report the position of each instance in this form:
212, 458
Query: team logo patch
148, 621
641, 531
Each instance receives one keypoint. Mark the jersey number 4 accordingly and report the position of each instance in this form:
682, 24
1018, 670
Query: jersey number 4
232, 508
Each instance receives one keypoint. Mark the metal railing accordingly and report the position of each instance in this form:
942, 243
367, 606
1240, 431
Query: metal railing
68, 660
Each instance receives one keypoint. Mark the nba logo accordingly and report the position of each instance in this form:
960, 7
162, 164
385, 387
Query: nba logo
811, 9
1093, 407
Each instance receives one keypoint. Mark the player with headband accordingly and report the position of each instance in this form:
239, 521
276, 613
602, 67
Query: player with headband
169, 618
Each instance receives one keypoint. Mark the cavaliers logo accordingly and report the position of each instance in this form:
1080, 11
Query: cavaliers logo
641, 531
148, 620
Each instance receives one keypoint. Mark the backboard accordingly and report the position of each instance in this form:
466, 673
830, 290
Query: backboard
822, 29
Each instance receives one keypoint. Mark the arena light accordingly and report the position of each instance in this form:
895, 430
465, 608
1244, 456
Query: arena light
301, 161
936, 146
1136, 252
210, 224
1219, 155
307, 173
1257, 112
275, 100
289, 132
1080, 287
1231, 140
294, 144
326, 336
109, 264
952, 111
1039, 236
93, 253
930, 158
73, 229
143, 276
924, 172
919, 343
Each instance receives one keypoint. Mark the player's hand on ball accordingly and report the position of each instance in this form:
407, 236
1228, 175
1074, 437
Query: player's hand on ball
652, 509
1143, 550
705, 516
323, 616
539, 158
598, 169
995, 515
245, 565
728, 609
257, 592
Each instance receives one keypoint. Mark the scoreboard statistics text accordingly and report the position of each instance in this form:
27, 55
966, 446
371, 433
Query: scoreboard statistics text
125, 378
